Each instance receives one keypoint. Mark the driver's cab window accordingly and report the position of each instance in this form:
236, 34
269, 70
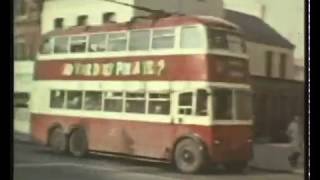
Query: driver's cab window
202, 103
193, 103
185, 103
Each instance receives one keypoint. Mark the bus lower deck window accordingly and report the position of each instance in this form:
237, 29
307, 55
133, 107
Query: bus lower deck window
135, 103
113, 101
93, 100
159, 103
56, 98
74, 99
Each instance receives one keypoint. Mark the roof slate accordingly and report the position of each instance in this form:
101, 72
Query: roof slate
256, 30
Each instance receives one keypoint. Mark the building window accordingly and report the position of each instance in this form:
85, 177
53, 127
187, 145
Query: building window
269, 63
108, 17
58, 23
20, 51
283, 62
82, 20
21, 8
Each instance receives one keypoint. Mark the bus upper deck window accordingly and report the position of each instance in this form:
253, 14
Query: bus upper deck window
46, 47
139, 40
61, 45
78, 44
97, 43
190, 38
217, 39
163, 39
117, 42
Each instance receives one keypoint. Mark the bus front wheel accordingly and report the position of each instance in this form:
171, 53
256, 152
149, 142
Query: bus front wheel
78, 144
57, 140
189, 156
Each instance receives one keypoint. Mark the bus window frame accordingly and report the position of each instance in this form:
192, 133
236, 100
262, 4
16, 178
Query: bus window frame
54, 43
159, 100
174, 29
203, 38
86, 41
105, 41
122, 98
234, 119
126, 32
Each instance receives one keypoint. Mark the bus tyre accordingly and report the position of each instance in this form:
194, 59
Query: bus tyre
78, 144
189, 156
57, 140
236, 167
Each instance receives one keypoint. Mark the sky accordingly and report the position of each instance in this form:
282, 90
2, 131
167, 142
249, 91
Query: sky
286, 16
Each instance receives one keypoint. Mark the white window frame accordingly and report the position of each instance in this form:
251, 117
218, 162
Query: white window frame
126, 37
104, 97
135, 98
158, 100
166, 35
85, 40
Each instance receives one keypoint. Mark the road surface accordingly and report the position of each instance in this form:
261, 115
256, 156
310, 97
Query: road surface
34, 162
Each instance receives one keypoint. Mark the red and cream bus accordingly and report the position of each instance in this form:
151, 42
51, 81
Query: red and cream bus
175, 89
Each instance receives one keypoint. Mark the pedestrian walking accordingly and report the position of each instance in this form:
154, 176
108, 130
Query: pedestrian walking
294, 133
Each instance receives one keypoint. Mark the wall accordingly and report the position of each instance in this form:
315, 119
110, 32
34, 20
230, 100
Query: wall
27, 30
70, 9
191, 7
23, 74
257, 60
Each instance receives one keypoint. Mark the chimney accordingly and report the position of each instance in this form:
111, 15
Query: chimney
263, 10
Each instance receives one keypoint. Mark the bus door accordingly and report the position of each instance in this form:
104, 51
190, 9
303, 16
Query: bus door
192, 107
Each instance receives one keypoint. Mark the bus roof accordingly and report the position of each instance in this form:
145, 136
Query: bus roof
171, 21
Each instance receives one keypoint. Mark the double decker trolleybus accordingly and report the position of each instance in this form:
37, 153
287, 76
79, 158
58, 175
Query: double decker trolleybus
175, 89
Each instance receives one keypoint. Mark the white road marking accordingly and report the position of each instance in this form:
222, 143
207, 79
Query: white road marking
93, 167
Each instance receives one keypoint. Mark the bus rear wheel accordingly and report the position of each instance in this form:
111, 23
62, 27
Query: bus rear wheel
189, 156
78, 144
57, 140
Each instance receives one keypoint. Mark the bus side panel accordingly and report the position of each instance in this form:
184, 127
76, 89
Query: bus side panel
154, 140
235, 143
